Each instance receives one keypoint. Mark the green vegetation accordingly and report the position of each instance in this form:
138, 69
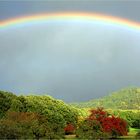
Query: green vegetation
5, 102
138, 135
17, 125
131, 116
132, 134
101, 124
43, 117
128, 98
56, 112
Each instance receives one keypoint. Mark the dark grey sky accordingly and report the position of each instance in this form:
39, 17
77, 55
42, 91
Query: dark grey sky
124, 8
68, 60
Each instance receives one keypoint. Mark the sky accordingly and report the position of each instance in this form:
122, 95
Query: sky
71, 61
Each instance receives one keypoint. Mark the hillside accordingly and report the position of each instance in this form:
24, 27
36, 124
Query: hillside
128, 98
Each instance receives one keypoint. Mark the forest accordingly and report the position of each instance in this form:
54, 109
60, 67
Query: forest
128, 98
43, 117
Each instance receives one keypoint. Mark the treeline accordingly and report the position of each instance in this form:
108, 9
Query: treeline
42, 116
34, 116
131, 116
124, 99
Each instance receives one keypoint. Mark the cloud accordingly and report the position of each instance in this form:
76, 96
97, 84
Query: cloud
69, 61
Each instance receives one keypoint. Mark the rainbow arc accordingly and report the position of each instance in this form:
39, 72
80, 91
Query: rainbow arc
70, 16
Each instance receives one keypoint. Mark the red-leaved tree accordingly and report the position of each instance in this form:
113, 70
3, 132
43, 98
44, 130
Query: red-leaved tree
115, 126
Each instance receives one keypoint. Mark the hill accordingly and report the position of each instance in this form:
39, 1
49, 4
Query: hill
128, 98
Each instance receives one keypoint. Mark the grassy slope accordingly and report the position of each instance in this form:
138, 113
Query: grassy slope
128, 98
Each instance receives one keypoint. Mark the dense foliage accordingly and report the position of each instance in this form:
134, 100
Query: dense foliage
58, 114
43, 117
124, 99
131, 116
5, 102
25, 125
69, 129
99, 124
138, 135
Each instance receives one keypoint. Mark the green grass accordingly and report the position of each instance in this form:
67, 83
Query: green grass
134, 130
131, 135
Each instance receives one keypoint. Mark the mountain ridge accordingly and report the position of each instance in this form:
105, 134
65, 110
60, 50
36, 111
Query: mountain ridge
127, 98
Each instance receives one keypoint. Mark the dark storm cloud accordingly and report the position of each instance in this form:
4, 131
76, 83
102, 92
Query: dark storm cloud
69, 61
125, 9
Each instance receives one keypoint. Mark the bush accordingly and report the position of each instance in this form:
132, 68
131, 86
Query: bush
5, 102
69, 129
9, 130
90, 129
25, 125
138, 135
132, 117
114, 126
100, 124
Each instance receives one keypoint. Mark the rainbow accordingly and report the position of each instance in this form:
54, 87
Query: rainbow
70, 16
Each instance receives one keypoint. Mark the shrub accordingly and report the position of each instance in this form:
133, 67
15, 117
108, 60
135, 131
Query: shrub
69, 129
5, 102
90, 129
138, 135
132, 117
9, 130
100, 125
27, 125
114, 126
